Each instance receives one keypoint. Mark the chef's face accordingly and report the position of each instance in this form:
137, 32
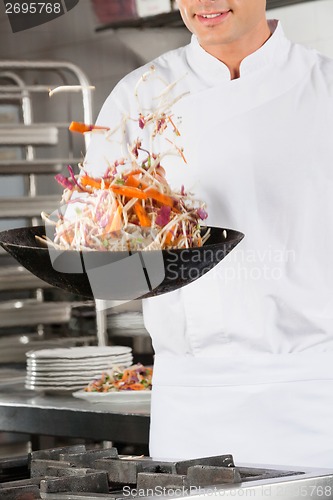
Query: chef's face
223, 22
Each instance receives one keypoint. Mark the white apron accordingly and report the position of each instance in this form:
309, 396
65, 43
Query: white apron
244, 361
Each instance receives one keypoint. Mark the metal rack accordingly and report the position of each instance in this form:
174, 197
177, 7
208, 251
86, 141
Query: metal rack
23, 83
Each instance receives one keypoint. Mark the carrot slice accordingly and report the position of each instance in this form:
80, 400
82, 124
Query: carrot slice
168, 239
158, 196
136, 387
83, 127
126, 373
89, 181
133, 181
128, 191
134, 172
117, 222
170, 235
142, 215
85, 180
114, 207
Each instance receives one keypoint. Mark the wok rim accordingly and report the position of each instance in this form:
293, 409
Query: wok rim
236, 236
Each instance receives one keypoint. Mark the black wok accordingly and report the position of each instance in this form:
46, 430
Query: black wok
117, 275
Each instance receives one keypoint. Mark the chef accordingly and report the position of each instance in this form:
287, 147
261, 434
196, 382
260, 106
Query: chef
244, 355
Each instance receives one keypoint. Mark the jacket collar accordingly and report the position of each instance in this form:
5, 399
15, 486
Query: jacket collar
275, 49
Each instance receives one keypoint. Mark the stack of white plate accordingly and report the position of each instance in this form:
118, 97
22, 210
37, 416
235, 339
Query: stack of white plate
127, 324
71, 369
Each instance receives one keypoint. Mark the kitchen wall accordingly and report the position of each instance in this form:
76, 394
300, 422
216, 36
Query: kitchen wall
309, 23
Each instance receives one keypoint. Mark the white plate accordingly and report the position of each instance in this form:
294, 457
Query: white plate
68, 373
51, 388
79, 366
84, 379
79, 352
56, 384
114, 397
78, 362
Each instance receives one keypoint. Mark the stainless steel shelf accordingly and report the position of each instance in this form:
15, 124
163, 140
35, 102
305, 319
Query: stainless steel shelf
26, 167
32, 312
32, 135
19, 278
11, 208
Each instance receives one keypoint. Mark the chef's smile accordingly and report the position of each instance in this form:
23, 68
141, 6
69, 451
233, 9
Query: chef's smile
212, 18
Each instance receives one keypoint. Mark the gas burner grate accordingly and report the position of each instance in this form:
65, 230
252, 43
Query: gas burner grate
74, 472
13, 469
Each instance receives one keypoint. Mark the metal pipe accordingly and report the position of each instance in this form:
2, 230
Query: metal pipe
26, 100
56, 65
42, 88
101, 322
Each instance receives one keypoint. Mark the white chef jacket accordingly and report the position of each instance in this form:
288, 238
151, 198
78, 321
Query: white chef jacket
244, 355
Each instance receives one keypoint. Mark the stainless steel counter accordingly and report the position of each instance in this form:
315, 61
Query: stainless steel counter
33, 413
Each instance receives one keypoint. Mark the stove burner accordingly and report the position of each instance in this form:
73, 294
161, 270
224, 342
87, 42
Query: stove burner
81, 473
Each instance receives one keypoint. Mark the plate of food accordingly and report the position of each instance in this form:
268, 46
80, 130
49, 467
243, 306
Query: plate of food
119, 385
114, 397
